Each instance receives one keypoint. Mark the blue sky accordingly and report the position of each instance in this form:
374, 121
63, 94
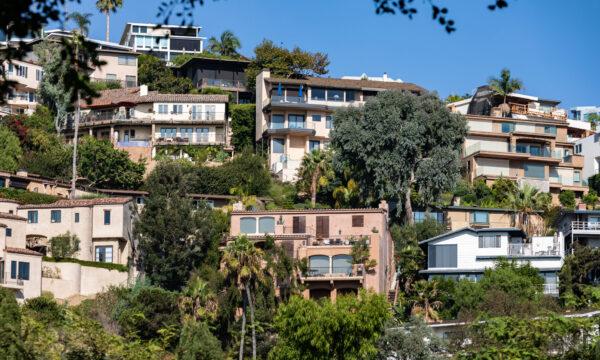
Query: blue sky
552, 45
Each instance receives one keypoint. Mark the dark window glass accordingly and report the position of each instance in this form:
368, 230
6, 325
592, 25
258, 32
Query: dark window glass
317, 94
358, 220
350, 95
335, 95
442, 256
535, 171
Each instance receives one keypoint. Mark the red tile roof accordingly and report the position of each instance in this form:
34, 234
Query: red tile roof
307, 211
4, 200
22, 251
115, 97
4, 215
80, 203
350, 84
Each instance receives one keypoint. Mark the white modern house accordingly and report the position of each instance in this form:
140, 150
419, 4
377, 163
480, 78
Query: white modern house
582, 113
468, 252
589, 148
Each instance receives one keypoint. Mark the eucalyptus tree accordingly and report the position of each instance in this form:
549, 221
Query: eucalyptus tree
399, 143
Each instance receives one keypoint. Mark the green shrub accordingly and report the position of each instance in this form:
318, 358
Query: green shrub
243, 124
197, 342
45, 309
102, 265
567, 199
11, 346
27, 197
64, 246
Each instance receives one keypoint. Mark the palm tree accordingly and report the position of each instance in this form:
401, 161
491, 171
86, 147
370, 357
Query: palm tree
424, 303
314, 172
504, 85
243, 261
346, 196
526, 202
106, 6
197, 301
82, 21
227, 45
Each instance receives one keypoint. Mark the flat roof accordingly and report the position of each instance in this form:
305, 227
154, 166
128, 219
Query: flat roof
510, 230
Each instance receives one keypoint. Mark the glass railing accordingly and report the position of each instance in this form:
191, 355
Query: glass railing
287, 99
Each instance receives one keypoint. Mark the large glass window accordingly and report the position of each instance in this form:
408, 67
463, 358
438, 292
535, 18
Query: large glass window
535, 171
317, 94
104, 254
266, 225
106, 217
32, 216
350, 95
550, 129
489, 241
508, 127
329, 122
248, 225
186, 132
296, 121
55, 216
480, 217
342, 264
278, 147
420, 216
277, 121
168, 132
442, 256
318, 265
314, 145
335, 95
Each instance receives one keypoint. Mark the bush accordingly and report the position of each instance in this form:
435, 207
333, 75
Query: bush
27, 197
590, 199
10, 326
45, 309
64, 246
567, 199
243, 123
96, 264
197, 342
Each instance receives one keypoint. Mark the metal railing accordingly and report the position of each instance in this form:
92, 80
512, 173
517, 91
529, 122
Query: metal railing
6, 280
207, 116
529, 250
585, 225
551, 288
134, 143
194, 139
288, 99
330, 271
542, 152
222, 83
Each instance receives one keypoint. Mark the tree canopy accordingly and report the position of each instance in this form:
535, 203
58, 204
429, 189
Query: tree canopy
399, 143
153, 72
10, 150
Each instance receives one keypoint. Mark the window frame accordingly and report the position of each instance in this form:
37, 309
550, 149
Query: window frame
474, 216
32, 216
483, 241
106, 216
358, 220
97, 253
54, 219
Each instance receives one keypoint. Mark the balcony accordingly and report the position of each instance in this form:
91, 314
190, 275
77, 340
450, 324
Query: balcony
519, 152
222, 83
7, 282
334, 272
116, 82
134, 143
533, 249
194, 139
287, 127
288, 99
523, 109
585, 226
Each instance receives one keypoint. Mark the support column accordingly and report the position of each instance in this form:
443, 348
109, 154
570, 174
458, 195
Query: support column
90, 132
112, 135
333, 294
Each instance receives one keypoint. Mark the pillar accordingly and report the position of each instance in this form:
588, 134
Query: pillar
333, 294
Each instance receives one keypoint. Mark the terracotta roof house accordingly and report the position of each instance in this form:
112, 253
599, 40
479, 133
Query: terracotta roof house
295, 116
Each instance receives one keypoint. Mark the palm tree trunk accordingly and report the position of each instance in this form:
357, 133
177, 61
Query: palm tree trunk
313, 189
243, 332
75, 134
408, 211
251, 305
107, 25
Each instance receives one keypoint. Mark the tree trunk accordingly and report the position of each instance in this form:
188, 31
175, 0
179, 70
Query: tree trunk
107, 26
408, 211
313, 189
243, 332
251, 305
75, 134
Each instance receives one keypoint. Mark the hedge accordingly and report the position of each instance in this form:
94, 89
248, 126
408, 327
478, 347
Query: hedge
27, 197
109, 266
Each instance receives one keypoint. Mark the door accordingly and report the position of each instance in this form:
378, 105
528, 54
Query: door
322, 226
202, 135
299, 225
126, 136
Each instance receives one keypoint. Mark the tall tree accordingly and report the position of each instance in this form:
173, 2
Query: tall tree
227, 45
153, 72
504, 85
399, 143
314, 171
10, 150
243, 261
425, 301
106, 6
527, 202
284, 62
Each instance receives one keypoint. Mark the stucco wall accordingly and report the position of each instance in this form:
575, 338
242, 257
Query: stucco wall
64, 280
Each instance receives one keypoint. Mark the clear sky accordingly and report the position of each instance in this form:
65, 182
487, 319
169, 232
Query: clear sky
552, 45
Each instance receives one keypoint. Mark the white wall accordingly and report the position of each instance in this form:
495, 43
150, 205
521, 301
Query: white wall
590, 151
479, 125
493, 167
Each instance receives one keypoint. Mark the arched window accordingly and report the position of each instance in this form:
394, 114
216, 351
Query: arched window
342, 264
248, 225
318, 265
266, 225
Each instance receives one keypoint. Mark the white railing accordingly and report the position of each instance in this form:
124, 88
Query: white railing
551, 289
6, 280
585, 225
530, 250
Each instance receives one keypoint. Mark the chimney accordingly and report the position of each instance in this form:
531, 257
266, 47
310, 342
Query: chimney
143, 90
385, 77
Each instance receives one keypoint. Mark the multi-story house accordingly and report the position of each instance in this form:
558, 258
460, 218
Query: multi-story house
103, 226
583, 113
579, 226
324, 238
295, 116
589, 148
467, 252
223, 73
20, 267
527, 142
143, 122
26, 75
163, 41
34, 183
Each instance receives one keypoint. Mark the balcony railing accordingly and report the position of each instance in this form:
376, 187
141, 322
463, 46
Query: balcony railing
292, 125
530, 250
288, 99
134, 143
334, 271
585, 225
6, 280
207, 116
117, 82
551, 289
194, 139
523, 109
221, 83
542, 152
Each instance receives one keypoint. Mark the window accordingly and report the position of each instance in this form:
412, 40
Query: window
550, 129
277, 121
126, 60
420, 216
139, 200
266, 225
32, 217
55, 216
130, 81
11, 68
350, 95
480, 217
316, 118
318, 264
19, 270
329, 122
168, 132
248, 225
442, 256
508, 127
39, 74
21, 70
140, 29
76, 217
358, 220
577, 176
314, 145
211, 112
535, 171
578, 149
489, 241
296, 121
335, 95
104, 254
111, 77
342, 264
202, 134
278, 147
106, 217
163, 108
8, 232
299, 224
317, 94
186, 132
177, 109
